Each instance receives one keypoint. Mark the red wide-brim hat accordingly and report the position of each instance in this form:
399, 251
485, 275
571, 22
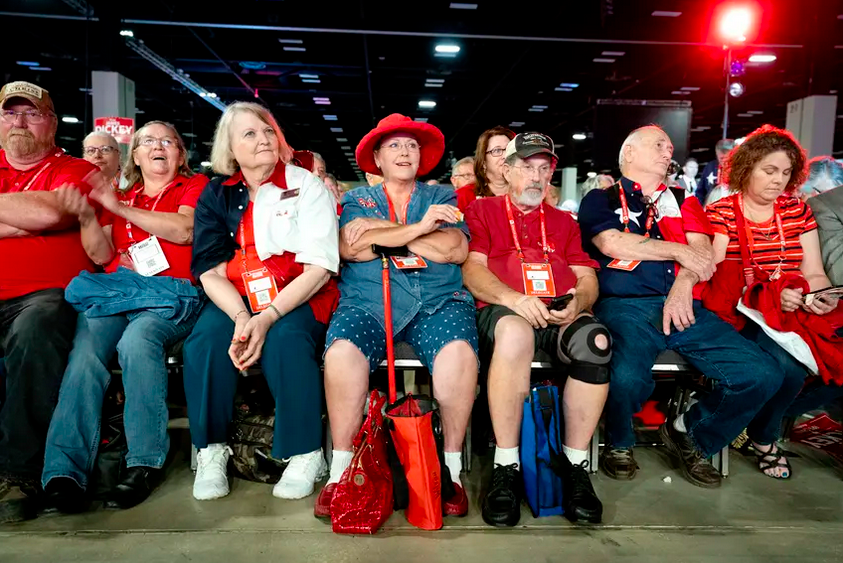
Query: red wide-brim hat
430, 138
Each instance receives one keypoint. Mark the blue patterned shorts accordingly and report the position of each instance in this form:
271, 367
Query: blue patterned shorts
426, 333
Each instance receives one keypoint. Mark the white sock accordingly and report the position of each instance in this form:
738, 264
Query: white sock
453, 460
508, 456
679, 424
340, 461
576, 457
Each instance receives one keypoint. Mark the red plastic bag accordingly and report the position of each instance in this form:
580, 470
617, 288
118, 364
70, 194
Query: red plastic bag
363, 498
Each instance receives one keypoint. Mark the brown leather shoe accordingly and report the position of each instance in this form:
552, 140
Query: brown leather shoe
618, 463
696, 467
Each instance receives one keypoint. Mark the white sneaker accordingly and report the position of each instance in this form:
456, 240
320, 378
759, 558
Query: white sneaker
211, 472
300, 475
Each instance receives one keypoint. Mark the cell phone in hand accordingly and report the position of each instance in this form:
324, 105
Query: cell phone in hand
559, 303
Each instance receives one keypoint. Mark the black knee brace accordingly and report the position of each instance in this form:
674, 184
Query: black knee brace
577, 347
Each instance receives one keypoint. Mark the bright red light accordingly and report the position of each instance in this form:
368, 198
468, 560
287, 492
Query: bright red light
736, 24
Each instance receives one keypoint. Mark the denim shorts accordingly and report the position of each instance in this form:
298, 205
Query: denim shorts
426, 333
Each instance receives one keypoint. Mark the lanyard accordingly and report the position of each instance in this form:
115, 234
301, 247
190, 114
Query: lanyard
37, 174
751, 240
154, 205
246, 215
651, 212
515, 234
392, 209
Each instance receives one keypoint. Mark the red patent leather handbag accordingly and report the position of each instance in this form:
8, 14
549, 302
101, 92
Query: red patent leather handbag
363, 498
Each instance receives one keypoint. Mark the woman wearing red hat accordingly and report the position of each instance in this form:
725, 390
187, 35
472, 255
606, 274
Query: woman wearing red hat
430, 308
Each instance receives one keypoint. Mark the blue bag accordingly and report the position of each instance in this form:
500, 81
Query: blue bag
541, 444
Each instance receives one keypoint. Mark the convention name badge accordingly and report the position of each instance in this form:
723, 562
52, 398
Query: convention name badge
538, 280
148, 257
625, 265
411, 262
260, 288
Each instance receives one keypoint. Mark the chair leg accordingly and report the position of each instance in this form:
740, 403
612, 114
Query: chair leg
193, 454
724, 462
466, 448
594, 450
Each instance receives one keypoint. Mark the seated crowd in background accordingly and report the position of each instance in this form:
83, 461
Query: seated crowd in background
246, 269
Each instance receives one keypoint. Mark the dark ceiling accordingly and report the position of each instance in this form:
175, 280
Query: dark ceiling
374, 57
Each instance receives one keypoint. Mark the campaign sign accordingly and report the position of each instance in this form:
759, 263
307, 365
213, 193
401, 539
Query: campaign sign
122, 128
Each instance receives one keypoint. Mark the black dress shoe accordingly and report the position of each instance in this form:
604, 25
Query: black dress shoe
66, 495
579, 499
502, 505
135, 487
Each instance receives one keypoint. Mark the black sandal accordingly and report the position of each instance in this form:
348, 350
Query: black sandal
773, 459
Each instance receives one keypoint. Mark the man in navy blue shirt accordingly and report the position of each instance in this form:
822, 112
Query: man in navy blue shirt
653, 246
711, 173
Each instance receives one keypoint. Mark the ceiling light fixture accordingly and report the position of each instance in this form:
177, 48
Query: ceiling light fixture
328, 117
603, 60
578, 136
680, 93
205, 163
27, 63
291, 41
539, 107
613, 53
563, 89
691, 88
435, 80
421, 119
336, 129
298, 49
70, 119
323, 103
427, 104
40, 68
666, 14
538, 110
346, 147
447, 48
762, 58
342, 140
309, 76
755, 112
127, 33
432, 85
591, 174
462, 6
569, 85
312, 81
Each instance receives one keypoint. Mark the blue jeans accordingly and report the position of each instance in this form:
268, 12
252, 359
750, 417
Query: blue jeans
73, 438
746, 377
766, 426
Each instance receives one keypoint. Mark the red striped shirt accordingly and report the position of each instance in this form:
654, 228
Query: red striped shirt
797, 219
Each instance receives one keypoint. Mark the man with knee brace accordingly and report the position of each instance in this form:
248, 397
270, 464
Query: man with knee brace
653, 246
523, 254
40, 252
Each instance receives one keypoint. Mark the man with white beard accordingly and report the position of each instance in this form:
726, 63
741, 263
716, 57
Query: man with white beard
525, 254
40, 252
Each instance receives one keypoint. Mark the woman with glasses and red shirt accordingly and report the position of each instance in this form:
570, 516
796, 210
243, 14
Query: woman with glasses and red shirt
764, 233
488, 167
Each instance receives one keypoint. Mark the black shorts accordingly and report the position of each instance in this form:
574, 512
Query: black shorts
487, 320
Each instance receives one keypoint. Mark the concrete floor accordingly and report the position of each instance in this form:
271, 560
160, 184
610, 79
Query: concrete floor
751, 518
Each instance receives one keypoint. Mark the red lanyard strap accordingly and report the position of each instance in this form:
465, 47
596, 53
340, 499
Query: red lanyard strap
392, 208
651, 214
515, 234
154, 205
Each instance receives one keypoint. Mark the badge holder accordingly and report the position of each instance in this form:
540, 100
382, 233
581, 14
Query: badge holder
538, 280
260, 288
148, 257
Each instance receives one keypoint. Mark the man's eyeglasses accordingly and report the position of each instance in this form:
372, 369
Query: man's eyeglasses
105, 150
31, 115
469, 175
529, 171
411, 146
496, 152
152, 141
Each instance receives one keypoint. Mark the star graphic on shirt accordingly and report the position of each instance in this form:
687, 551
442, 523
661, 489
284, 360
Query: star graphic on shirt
632, 215
711, 178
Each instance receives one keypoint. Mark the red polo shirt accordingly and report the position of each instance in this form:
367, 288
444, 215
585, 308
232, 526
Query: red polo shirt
52, 258
182, 191
465, 195
491, 235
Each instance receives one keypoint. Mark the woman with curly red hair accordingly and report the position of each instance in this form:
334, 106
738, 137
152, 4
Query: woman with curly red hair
764, 233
